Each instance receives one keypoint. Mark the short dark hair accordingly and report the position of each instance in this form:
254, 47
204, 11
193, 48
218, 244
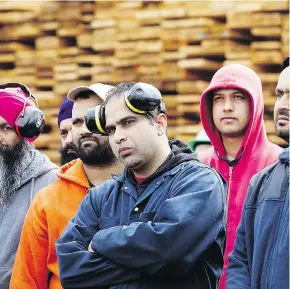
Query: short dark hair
285, 63
119, 90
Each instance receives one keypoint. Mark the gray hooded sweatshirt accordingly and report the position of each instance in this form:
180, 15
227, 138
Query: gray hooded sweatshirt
38, 173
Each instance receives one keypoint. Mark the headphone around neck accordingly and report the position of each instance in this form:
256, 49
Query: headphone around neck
142, 98
30, 121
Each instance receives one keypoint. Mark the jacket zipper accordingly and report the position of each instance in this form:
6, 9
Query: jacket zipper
229, 185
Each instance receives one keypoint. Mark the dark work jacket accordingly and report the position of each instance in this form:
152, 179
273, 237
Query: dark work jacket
260, 259
171, 236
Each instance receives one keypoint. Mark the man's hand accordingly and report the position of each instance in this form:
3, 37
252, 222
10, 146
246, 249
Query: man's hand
90, 248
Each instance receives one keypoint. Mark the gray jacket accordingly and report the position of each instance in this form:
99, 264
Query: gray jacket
38, 173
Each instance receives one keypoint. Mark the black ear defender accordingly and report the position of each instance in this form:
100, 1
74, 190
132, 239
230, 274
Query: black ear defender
95, 119
30, 121
144, 98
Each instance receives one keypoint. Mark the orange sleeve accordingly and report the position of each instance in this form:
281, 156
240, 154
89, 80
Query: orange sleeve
30, 268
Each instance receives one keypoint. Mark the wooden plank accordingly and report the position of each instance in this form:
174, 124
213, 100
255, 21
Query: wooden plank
275, 6
266, 19
172, 55
237, 55
7, 57
49, 26
188, 108
150, 32
266, 57
69, 31
189, 129
127, 24
199, 64
265, 45
84, 40
126, 53
149, 59
149, 46
68, 51
267, 31
103, 23
15, 17
188, 23
188, 98
239, 20
125, 62
188, 87
200, 51
193, 34
145, 70
47, 42
208, 8
285, 22
169, 85
13, 47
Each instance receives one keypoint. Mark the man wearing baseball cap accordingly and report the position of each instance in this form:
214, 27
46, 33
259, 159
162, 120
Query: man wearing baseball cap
23, 169
36, 262
67, 151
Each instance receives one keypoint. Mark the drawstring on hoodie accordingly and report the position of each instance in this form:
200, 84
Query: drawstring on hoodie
233, 162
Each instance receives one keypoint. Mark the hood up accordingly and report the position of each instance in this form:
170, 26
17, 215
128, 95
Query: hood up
236, 76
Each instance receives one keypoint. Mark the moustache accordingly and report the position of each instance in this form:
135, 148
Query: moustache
284, 112
70, 146
89, 137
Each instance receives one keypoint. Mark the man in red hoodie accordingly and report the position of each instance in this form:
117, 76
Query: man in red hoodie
231, 111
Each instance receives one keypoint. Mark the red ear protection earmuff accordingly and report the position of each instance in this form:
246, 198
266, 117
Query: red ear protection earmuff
142, 98
30, 121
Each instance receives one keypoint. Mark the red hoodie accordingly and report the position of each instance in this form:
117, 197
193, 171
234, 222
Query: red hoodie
255, 153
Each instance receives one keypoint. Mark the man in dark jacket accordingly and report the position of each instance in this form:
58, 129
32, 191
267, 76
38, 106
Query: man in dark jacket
161, 223
261, 255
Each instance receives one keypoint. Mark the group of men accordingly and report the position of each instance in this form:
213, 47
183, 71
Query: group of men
130, 208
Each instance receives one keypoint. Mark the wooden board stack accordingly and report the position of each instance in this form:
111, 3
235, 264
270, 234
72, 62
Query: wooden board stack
53, 46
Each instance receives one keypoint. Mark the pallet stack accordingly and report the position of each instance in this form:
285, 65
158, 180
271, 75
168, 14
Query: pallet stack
53, 46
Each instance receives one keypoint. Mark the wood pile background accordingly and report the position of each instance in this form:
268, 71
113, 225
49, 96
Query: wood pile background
175, 45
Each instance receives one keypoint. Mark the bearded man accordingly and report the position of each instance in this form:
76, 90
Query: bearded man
23, 169
55, 205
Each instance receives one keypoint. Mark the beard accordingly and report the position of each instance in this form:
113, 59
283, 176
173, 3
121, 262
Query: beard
65, 156
100, 154
11, 169
282, 131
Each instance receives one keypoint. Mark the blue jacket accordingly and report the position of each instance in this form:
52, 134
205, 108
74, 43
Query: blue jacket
171, 236
260, 259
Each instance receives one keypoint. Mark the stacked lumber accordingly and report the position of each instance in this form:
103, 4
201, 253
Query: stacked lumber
53, 46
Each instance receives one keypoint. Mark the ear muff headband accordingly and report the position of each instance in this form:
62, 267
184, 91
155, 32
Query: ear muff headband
134, 109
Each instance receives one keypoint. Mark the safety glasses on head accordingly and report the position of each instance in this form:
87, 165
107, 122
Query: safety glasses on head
142, 98
30, 121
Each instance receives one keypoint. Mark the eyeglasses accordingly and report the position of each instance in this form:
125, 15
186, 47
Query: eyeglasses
24, 88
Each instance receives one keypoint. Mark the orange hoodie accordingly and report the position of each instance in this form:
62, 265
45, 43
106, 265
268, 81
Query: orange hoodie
36, 262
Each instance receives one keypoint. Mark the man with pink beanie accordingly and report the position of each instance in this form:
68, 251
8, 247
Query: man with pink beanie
23, 169
231, 111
